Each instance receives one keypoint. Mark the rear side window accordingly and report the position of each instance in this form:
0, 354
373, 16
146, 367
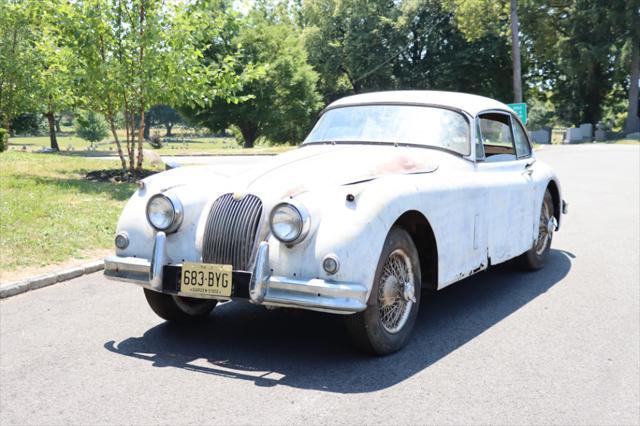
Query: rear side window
523, 149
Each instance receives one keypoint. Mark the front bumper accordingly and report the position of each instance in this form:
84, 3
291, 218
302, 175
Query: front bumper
259, 285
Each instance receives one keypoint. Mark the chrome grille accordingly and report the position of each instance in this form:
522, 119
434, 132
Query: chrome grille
231, 230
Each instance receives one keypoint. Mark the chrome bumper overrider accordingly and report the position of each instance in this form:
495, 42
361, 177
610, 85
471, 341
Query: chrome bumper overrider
264, 289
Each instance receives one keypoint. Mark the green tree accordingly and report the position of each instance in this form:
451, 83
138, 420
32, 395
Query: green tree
27, 124
437, 55
165, 116
632, 23
53, 77
17, 60
477, 18
281, 101
574, 50
133, 54
34, 61
91, 126
352, 44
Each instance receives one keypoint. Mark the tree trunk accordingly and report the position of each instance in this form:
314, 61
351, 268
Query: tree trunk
140, 140
515, 53
52, 131
169, 126
142, 16
131, 140
249, 134
57, 121
129, 127
633, 121
114, 132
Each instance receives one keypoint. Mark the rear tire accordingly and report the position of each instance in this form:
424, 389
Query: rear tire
178, 308
386, 325
534, 258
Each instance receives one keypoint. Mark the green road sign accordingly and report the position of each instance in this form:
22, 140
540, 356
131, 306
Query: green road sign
521, 110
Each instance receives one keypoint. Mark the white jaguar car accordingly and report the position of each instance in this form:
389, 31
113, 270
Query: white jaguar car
391, 193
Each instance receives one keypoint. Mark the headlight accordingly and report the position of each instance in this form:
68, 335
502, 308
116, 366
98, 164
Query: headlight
289, 222
164, 212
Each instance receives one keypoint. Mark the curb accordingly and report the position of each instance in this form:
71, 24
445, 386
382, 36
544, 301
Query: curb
40, 281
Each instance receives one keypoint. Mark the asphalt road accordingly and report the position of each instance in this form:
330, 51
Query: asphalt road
558, 346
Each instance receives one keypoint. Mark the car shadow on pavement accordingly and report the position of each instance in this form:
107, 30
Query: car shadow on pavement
311, 350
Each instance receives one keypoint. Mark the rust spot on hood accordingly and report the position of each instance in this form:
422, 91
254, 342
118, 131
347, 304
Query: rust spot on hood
400, 164
292, 192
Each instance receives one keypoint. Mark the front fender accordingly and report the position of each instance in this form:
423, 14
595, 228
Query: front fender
193, 186
353, 231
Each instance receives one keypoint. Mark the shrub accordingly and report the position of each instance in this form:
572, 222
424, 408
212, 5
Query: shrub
155, 141
29, 125
4, 139
91, 127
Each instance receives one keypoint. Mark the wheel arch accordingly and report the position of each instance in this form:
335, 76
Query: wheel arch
421, 232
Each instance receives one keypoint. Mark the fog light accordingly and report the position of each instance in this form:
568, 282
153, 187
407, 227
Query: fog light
330, 264
122, 240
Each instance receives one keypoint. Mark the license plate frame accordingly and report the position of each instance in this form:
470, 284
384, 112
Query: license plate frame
206, 279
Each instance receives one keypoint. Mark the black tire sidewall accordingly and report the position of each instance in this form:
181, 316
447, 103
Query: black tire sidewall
378, 339
165, 307
530, 259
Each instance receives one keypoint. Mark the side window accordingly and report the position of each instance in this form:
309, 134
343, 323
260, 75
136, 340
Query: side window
523, 149
497, 140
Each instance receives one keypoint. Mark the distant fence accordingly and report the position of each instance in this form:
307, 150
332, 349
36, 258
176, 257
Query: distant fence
568, 135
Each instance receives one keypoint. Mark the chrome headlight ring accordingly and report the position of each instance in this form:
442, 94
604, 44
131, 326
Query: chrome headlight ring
165, 212
289, 222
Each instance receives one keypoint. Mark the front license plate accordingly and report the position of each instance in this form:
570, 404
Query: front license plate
206, 279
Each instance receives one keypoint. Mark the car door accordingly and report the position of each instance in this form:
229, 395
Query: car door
504, 167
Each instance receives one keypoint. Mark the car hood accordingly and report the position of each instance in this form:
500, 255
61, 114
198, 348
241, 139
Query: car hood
309, 167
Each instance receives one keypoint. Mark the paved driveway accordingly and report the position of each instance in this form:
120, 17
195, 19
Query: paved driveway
559, 346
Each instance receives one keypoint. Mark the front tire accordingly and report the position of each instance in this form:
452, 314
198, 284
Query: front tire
534, 258
178, 308
386, 325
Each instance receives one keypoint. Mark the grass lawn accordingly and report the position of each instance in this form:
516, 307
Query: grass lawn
49, 213
35, 143
186, 146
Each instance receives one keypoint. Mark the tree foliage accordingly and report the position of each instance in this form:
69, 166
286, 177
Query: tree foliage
352, 44
164, 115
17, 60
137, 53
4, 139
477, 18
280, 102
438, 56
91, 126
35, 61
574, 49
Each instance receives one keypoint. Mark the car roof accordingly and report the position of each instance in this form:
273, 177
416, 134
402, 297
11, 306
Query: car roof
472, 104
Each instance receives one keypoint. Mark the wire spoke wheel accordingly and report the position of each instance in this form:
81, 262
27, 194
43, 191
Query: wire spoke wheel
545, 228
396, 291
386, 324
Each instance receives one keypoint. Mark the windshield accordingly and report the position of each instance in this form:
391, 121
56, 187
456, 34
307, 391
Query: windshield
403, 124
